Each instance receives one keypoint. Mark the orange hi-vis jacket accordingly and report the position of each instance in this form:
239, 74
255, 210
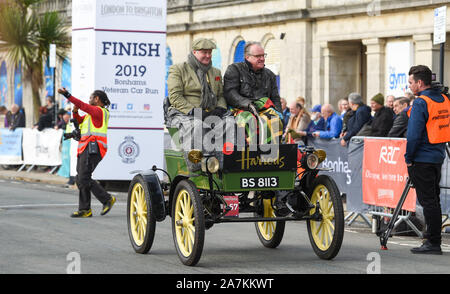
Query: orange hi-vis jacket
438, 124
91, 133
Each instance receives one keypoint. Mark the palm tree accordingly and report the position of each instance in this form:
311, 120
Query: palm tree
26, 37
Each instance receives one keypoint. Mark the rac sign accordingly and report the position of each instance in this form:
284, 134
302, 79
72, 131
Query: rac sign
387, 154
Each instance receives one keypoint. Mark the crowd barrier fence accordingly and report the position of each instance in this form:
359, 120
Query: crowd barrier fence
31, 147
372, 174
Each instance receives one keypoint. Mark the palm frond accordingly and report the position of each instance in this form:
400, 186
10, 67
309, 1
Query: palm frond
51, 30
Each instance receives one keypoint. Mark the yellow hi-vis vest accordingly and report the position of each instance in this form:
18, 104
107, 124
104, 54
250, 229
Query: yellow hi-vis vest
91, 133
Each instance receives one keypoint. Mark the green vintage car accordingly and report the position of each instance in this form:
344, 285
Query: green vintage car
236, 185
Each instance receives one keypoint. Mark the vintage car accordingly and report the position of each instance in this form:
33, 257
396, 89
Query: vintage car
201, 189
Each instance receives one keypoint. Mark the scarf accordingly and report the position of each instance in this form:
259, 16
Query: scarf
209, 99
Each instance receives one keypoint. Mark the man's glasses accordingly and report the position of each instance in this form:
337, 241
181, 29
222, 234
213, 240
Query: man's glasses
259, 56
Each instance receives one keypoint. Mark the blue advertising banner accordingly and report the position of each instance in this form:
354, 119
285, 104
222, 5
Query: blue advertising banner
11, 146
3, 83
18, 94
66, 79
48, 75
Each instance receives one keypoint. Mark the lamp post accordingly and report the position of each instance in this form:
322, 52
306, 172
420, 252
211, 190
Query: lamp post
52, 64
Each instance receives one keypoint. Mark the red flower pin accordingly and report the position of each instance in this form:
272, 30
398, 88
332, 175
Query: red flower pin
217, 78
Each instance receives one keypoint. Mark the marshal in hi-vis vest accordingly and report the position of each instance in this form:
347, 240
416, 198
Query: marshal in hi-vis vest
91, 133
438, 124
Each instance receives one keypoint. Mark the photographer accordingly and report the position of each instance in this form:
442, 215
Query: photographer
428, 131
92, 148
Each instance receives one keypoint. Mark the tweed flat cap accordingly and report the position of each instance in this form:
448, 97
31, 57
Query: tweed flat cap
203, 44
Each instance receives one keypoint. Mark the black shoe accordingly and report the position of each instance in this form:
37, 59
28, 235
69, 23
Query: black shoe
107, 207
427, 248
82, 213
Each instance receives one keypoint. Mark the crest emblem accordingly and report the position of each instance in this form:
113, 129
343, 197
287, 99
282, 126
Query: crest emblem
128, 150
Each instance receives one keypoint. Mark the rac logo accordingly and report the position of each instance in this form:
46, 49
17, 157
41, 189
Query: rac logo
387, 154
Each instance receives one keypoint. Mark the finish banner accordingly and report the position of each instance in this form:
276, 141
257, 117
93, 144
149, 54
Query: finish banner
119, 47
384, 173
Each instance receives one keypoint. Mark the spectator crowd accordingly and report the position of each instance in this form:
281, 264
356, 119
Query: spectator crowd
15, 117
383, 117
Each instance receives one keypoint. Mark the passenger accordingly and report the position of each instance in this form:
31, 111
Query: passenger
252, 90
248, 81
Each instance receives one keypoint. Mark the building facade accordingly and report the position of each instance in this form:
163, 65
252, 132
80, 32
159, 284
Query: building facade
319, 49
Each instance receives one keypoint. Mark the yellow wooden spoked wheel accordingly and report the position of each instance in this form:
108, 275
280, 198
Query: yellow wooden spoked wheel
188, 225
141, 224
184, 220
326, 235
269, 233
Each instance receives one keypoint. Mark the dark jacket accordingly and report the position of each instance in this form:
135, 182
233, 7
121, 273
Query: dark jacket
313, 127
361, 116
418, 147
400, 125
16, 120
345, 119
242, 85
382, 122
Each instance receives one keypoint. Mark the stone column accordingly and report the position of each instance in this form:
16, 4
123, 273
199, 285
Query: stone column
375, 54
426, 53
326, 55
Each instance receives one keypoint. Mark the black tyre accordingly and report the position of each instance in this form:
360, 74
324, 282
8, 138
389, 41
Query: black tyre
326, 236
269, 233
188, 223
140, 219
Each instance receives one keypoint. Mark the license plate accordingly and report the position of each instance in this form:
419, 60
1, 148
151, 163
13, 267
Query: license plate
259, 182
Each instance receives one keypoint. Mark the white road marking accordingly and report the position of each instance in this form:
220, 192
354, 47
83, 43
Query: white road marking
25, 206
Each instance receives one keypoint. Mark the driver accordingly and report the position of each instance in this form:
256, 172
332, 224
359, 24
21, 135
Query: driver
196, 83
196, 93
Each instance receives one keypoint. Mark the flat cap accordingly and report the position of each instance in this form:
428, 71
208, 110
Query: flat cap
378, 98
203, 44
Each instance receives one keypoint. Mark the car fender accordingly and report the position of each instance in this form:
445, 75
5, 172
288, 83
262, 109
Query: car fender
156, 194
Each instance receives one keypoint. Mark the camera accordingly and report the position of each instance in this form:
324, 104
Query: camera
437, 85
441, 88
76, 134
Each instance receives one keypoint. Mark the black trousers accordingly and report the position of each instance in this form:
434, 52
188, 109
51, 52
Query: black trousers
86, 165
426, 177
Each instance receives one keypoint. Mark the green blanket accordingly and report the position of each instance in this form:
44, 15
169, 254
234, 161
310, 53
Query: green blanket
269, 122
